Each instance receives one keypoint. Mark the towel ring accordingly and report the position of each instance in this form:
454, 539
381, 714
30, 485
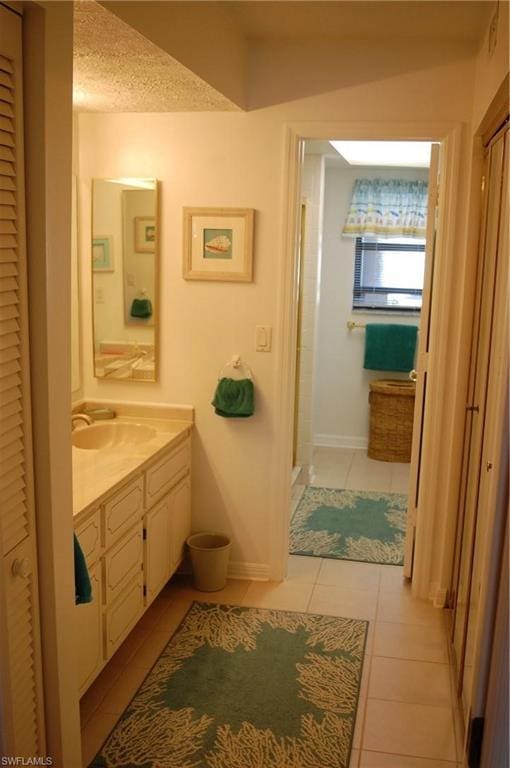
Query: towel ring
236, 363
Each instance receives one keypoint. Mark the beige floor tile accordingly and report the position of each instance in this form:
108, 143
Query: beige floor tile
385, 760
392, 578
233, 592
414, 682
150, 650
329, 477
173, 616
94, 734
303, 569
359, 723
348, 574
332, 457
340, 601
131, 644
400, 478
409, 729
92, 698
285, 596
118, 698
410, 641
368, 475
402, 607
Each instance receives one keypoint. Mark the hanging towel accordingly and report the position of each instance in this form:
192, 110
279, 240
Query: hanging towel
234, 398
82, 585
390, 347
141, 308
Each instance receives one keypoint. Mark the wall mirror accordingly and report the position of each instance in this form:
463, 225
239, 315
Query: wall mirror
125, 267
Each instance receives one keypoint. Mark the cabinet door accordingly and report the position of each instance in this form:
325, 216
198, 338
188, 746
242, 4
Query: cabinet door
121, 617
88, 631
157, 548
122, 562
180, 520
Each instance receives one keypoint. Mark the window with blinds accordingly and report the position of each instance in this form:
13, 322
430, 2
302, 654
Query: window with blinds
21, 693
388, 273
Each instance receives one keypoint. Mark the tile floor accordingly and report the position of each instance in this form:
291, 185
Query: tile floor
405, 716
352, 469
406, 713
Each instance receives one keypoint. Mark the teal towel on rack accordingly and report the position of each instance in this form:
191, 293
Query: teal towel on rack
390, 347
141, 308
234, 398
82, 585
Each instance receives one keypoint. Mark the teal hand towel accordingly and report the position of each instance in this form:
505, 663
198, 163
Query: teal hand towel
141, 308
234, 398
390, 347
82, 585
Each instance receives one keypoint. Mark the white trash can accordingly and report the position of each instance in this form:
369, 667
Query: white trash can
209, 560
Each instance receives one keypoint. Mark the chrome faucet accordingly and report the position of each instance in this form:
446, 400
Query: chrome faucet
82, 416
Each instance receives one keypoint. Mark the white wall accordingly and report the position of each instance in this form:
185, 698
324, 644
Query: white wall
341, 384
233, 160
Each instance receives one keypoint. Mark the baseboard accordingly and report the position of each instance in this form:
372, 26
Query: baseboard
250, 571
339, 441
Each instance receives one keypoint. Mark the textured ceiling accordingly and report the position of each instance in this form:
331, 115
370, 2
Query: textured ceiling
116, 69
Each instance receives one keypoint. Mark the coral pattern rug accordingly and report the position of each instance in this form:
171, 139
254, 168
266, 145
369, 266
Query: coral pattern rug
245, 688
350, 525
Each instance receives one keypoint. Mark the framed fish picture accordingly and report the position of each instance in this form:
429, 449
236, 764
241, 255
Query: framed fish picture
218, 244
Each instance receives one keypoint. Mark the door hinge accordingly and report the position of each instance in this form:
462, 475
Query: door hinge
144, 535
474, 741
145, 590
483, 183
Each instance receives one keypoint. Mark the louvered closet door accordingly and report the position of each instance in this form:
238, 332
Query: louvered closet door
22, 732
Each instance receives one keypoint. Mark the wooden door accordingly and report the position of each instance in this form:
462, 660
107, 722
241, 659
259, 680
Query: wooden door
420, 375
479, 540
21, 700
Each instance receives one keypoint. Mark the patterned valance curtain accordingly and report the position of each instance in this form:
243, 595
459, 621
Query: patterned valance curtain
387, 208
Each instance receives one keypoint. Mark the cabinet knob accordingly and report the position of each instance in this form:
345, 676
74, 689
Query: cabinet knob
413, 375
21, 567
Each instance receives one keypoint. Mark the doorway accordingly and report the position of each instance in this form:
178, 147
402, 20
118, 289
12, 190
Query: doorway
361, 285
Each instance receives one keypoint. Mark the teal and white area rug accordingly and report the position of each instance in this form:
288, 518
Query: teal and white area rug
245, 688
350, 525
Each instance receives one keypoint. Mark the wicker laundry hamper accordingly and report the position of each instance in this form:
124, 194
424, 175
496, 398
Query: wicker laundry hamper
391, 420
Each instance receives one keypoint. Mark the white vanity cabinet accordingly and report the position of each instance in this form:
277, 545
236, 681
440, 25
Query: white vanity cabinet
133, 543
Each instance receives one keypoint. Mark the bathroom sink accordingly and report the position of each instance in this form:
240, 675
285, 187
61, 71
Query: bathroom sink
112, 435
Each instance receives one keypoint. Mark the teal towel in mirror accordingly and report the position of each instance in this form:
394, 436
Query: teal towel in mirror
82, 585
234, 398
141, 308
390, 347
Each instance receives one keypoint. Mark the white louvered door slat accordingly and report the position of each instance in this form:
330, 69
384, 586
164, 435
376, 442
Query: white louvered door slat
21, 708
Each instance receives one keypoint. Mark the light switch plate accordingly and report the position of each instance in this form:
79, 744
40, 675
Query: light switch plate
263, 335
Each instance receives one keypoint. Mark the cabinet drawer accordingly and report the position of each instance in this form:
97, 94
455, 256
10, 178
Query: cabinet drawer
168, 470
88, 634
121, 617
123, 562
122, 510
89, 536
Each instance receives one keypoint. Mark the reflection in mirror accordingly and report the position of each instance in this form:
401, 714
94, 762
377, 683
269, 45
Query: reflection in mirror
125, 278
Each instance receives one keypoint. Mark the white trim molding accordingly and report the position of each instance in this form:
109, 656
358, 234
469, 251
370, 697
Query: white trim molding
437, 509
321, 440
251, 571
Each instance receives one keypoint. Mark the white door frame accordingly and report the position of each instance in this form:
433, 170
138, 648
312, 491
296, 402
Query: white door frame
439, 525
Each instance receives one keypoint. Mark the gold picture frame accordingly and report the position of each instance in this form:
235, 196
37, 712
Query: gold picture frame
218, 244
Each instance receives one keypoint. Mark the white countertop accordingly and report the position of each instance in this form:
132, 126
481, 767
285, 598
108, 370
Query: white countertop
97, 472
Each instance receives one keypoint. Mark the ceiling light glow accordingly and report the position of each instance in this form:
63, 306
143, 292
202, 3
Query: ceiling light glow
412, 154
